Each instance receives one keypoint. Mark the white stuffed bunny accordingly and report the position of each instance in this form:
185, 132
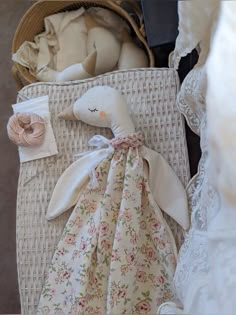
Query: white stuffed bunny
117, 254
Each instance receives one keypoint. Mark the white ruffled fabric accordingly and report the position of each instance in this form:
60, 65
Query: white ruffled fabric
205, 278
196, 23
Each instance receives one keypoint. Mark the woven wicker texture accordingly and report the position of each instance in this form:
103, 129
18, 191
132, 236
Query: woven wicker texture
151, 95
26, 30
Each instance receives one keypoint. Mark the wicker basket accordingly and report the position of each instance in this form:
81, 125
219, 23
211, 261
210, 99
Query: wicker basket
32, 24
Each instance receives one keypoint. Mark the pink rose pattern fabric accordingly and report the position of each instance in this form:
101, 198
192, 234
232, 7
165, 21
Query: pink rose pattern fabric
116, 254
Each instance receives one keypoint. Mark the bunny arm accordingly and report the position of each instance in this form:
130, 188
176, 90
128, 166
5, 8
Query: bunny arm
68, 188
166, 188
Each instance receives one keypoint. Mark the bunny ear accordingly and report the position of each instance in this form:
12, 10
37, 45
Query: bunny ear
67, 114
71, 183
89, 63
166, 188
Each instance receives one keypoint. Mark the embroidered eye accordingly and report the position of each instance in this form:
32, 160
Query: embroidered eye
93, 110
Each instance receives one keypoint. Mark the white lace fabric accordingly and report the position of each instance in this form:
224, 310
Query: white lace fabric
196, 23
193, 257
193, 262
205, 278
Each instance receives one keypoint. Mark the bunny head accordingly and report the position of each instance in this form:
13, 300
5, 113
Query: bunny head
102, 106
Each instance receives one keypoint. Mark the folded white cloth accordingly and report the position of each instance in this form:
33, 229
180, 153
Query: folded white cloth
38, 106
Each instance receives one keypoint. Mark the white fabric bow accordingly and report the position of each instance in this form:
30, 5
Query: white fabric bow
98, 142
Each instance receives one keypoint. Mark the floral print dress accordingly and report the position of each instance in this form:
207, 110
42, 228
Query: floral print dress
117, 254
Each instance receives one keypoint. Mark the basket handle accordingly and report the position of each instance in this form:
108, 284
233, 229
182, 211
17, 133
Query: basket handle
15, 74
134, 5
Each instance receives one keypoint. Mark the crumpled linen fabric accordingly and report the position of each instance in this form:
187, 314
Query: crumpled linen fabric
222, 144
48, 147
50, 48
54, 48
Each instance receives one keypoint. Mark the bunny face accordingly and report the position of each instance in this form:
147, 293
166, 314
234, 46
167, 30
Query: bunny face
95, 108
102, 106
